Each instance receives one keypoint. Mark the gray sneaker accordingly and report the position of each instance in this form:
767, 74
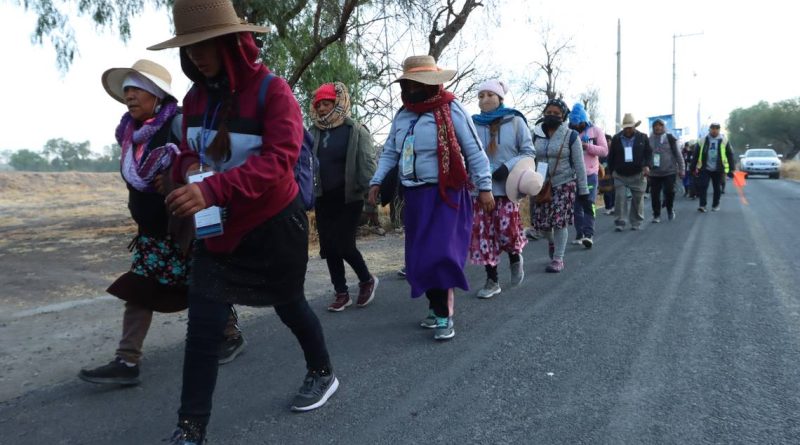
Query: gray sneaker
429, 322
490, 289
517, 272
316, 390
444, 329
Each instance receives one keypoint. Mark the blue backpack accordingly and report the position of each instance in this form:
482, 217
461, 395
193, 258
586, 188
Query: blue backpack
307, 164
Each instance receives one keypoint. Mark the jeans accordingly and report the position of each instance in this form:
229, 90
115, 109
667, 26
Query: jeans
702, 187
584, 221
337, 224
657, 184
207, 320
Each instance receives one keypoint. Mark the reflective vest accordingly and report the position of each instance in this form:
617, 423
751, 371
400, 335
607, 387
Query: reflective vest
723, 148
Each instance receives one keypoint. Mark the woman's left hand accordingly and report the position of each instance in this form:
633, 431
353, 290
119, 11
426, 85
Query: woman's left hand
486, 201
186, 201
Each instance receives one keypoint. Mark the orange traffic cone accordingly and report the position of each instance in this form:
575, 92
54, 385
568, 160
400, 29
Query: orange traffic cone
739, 178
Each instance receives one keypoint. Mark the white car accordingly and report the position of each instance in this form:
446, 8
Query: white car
761, 161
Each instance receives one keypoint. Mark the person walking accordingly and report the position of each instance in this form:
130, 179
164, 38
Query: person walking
345, 151
593, 141
504, 133
149, 134
559, 152
713, 161
246, 153
434, 142
629, 160
606, 182
667, 166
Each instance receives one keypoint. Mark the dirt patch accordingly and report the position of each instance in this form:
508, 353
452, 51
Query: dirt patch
790, 170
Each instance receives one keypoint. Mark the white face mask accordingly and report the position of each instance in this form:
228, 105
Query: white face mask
488, 101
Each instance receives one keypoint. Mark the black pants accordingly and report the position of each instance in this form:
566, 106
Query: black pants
337, 224
657, 184
204, 336
437, 301
702, 187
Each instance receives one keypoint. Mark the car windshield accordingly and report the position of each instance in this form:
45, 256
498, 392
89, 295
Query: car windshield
766, 153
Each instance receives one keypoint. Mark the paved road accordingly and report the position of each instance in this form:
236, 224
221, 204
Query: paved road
686, 332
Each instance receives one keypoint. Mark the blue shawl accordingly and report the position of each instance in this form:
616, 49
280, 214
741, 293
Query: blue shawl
498, 113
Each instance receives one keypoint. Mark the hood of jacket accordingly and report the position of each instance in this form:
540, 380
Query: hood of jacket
239, 60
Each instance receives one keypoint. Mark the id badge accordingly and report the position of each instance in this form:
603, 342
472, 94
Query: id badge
628, 153
207, 222
541, 168
656, 160
408, 155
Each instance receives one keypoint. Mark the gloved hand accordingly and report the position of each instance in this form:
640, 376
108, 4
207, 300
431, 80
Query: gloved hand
501, 173
585, 202
730, 174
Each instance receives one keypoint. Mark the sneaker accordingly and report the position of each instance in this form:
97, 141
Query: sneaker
402, 272
490, 289
518, 272
671, 215
577, 241
444, 329
378, 230
341, 301
609, 211
117, 372
231, 348
702, 209
316, 390
188, 433
555, 266
656, 220
587, 242
619, 228
429, 322
532, 234
715, 209
551, 249
636, 228
366, 291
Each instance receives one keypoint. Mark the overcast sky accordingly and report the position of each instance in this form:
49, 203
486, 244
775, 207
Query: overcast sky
746, 54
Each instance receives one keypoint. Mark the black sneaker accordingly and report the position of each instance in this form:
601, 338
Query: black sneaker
316, 390
587, 242
230, 348
402, 272
114, 373
188, 433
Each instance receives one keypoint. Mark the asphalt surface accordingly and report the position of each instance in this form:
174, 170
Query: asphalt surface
685, 332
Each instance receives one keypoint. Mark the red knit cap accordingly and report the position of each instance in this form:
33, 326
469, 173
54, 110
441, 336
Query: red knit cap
325, 92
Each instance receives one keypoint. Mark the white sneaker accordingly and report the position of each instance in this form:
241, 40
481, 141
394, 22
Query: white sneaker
490, 289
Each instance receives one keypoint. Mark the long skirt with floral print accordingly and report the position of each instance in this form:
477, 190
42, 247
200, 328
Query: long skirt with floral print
557, 213
159, 259
497, 231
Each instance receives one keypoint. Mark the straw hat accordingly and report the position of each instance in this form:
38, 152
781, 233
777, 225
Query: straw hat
628, 121
112, 79
198, 20
423, 69
523, 180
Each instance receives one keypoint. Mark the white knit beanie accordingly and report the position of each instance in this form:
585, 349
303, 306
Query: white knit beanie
495, 86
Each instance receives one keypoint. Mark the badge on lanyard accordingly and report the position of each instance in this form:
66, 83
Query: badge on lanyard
628, 153
408, 151
207, 222
656, 160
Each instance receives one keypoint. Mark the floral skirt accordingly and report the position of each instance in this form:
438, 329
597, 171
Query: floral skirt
497, 231
557, 213
159, 259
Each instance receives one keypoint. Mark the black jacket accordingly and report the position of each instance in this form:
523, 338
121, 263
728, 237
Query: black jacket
642, 155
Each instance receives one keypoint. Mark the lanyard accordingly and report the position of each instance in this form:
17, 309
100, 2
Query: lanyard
205, 133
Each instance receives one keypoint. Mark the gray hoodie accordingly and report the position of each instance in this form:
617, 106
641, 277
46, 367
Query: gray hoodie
667, 159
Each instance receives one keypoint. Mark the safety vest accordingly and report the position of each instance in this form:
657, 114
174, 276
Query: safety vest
723, 147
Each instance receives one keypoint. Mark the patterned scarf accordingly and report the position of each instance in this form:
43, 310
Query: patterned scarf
140, 173
452, 170
341, 110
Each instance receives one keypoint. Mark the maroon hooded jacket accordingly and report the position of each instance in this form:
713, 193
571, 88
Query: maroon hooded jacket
257, 181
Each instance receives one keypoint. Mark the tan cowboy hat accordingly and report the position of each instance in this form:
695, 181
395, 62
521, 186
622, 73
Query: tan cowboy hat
523, 180
112, 79
628, 121
198, 20
423, 69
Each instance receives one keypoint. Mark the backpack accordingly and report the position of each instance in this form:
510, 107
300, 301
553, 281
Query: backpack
307, 164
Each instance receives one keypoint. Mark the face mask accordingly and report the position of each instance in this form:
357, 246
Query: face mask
552, 121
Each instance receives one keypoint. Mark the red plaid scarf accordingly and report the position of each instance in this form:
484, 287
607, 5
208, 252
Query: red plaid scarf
452, 171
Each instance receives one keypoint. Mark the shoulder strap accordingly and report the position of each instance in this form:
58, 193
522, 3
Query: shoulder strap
262, 95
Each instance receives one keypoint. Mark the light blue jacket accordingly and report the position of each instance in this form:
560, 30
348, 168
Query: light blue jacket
426, 169
514, 142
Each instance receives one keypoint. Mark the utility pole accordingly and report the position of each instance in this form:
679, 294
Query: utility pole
674, 38
619, 77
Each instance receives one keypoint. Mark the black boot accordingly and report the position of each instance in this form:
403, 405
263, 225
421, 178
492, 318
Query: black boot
189, 432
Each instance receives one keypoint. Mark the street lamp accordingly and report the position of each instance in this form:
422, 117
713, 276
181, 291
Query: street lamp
675, 37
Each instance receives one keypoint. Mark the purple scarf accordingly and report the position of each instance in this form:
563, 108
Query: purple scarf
139, 174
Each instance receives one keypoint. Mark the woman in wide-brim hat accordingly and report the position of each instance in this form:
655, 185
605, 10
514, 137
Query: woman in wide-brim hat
507, 140
148, 135
432, 140
251, 146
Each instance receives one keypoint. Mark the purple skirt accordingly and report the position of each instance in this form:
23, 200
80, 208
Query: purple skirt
437, 238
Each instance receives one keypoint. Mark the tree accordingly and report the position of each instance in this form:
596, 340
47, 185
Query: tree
543, 84
764, 124
591, 102
27, 160
65, 155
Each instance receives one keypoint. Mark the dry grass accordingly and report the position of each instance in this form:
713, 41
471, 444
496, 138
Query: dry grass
791, 170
